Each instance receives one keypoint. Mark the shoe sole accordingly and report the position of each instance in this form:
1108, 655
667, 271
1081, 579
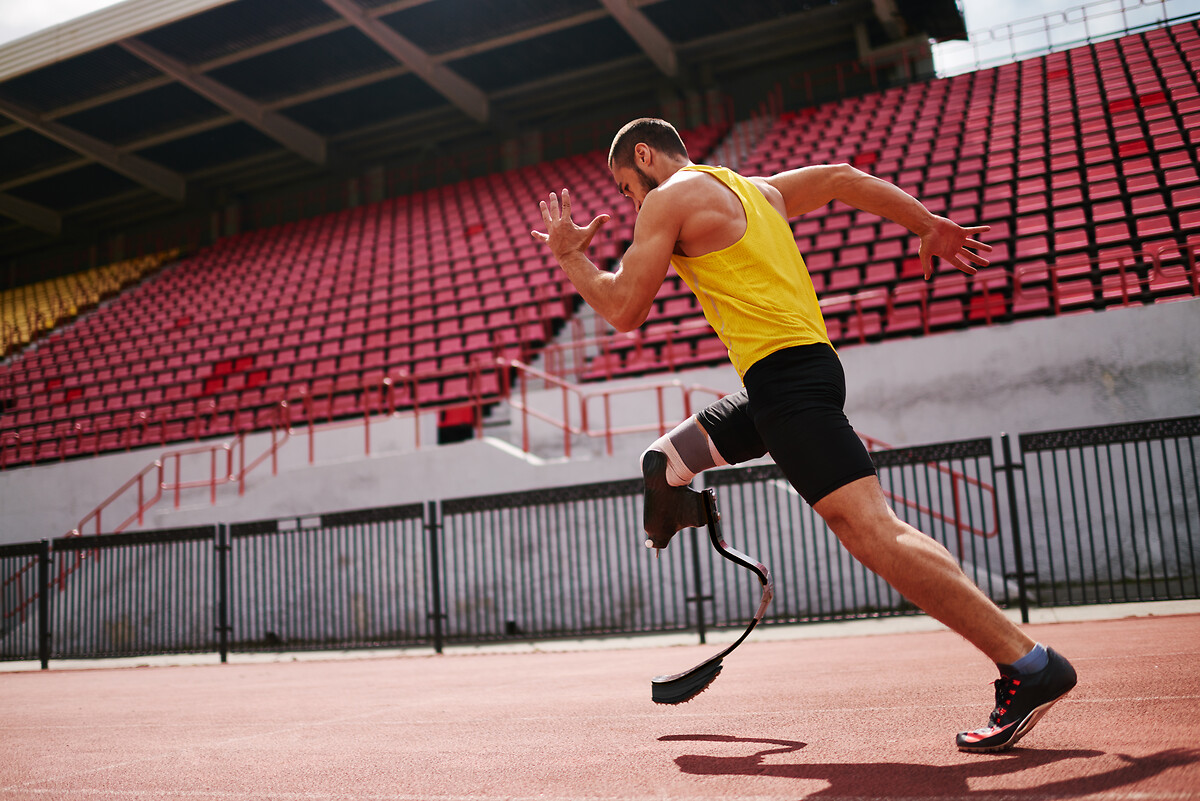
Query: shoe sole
1020, 732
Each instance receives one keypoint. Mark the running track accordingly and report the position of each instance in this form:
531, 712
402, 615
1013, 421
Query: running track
848, 717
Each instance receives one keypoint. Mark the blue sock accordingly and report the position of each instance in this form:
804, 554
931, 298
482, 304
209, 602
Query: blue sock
1033, 662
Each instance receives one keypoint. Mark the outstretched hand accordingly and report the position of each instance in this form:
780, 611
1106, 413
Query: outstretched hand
562, 234
950, 241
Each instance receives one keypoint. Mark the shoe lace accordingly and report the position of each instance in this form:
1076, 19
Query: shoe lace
1006, 688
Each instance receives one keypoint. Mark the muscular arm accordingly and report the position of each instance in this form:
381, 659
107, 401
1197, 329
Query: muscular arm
809, 188
624, 297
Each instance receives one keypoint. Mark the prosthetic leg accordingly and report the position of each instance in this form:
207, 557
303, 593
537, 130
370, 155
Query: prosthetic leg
680, 687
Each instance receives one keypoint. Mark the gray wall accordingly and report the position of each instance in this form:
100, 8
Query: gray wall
1091, 369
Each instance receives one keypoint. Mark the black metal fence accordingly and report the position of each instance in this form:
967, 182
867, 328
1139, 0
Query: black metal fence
347, 579
1111, 513
1092, 515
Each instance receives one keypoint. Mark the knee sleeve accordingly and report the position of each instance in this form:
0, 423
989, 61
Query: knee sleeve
689, 450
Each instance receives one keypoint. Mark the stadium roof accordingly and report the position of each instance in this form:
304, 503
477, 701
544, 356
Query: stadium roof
151, 106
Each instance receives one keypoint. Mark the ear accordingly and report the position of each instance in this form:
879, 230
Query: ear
642, 154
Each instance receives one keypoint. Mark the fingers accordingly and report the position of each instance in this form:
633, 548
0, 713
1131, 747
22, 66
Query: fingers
552, 206
595, 224
982, 261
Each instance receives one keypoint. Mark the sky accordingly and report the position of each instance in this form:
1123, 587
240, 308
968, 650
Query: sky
1001, 29
22, 17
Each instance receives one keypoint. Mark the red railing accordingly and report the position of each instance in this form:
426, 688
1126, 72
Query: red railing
664, 421
150, 484
957, 481
577, 404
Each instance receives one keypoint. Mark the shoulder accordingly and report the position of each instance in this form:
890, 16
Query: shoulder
685, 182
763, 184
687, 190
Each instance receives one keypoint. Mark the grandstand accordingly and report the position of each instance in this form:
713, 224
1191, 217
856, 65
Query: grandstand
338, 261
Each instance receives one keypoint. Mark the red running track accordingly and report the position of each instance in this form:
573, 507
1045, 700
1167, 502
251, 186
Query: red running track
868, 717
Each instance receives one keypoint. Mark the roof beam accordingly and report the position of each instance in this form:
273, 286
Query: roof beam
646, 34
153, 176
31, 214
514, 37
459, 91
290, 134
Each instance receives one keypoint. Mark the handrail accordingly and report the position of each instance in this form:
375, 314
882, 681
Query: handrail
567, 389
161, 485
143, 504
608, 432
157, 467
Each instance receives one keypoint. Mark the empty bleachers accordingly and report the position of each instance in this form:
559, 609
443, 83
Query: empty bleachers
29, 311
1083, 162
425, 289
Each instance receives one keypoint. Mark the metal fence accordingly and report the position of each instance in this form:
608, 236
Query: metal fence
945, 490
1112, 513
1092, 515
349, 579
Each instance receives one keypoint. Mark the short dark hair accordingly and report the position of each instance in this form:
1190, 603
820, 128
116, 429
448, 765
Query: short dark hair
658, 134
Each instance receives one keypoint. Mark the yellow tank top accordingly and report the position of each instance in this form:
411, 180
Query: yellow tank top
756, 294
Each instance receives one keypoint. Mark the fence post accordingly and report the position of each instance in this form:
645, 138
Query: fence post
1009, 468
44, 604
433, 526
699, 598
223, 548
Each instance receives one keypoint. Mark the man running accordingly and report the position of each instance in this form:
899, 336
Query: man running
728, 237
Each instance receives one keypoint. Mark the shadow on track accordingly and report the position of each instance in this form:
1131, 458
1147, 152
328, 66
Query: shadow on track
912, 780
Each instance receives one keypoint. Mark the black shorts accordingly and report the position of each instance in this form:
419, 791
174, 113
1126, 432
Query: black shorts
792, 408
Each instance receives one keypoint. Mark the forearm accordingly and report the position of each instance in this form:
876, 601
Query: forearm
876, 196
603, 291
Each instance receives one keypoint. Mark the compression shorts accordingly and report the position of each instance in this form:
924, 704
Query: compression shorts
792, 407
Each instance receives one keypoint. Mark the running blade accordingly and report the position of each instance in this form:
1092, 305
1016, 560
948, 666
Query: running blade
684, 686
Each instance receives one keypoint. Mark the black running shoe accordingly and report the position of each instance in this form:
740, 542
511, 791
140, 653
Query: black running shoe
1020, 703
667, 509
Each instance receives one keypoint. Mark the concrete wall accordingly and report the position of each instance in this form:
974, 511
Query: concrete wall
1092, 369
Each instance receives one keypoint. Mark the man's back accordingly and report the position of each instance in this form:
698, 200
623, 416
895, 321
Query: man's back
713, 216
755, 290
